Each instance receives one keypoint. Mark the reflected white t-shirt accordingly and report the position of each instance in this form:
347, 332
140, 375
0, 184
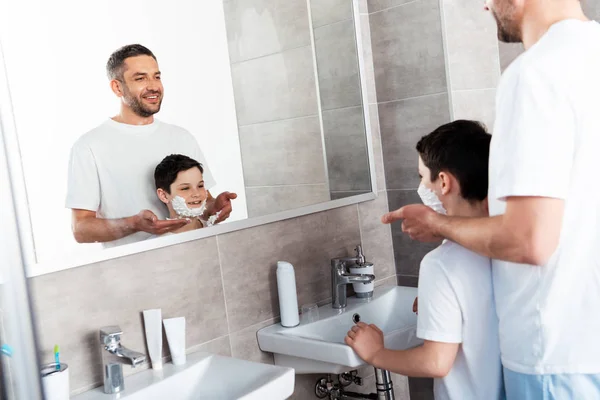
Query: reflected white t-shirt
111, 169
546, 143
456, 305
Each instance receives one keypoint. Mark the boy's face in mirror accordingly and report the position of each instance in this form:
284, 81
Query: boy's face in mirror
190, 186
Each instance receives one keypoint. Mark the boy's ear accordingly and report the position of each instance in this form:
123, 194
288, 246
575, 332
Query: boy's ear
447, 181
162, 195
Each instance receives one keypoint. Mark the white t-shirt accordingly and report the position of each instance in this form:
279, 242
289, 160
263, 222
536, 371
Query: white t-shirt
111, 169
546, 143
456, 305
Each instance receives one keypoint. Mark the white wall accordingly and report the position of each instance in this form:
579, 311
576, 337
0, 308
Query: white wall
55, 53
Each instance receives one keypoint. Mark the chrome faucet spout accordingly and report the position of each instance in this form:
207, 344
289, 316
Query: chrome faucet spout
340, 277
114, 355
128, 356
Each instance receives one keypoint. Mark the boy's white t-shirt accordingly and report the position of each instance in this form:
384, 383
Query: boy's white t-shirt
456, 305
546, 143
111, 169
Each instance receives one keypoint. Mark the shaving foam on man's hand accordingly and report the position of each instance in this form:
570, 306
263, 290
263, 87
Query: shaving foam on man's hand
182, 209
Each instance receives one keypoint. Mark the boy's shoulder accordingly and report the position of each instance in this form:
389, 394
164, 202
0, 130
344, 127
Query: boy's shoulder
450, 255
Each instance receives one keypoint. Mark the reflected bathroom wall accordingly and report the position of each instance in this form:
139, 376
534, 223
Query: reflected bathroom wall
340, 94
276, 102
302, 141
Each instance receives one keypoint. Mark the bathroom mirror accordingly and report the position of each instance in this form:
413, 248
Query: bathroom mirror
271, 92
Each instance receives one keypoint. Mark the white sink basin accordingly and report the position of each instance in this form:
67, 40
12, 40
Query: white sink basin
318, 347
205, 376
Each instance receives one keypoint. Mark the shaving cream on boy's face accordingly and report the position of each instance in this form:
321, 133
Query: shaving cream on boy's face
430, 199
182, 209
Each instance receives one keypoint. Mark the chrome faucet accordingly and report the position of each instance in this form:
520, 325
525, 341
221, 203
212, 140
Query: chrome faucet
114, 355
340, 277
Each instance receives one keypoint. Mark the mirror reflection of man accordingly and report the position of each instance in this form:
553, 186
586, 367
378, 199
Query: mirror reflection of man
110, 179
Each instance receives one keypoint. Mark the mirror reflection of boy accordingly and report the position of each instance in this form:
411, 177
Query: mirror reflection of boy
180, 186
457, 317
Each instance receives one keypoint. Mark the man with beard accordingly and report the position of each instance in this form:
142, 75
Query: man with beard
544, 225
111, 183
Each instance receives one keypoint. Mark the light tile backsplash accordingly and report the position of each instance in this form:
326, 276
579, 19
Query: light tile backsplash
256, 28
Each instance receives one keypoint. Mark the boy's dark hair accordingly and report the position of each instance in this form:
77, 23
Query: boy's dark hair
116, 61
166, 171
461, 148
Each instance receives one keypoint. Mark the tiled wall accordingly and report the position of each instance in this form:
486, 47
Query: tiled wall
225, 286
276, 103
434, 61
341, 103
472, 61
412, 99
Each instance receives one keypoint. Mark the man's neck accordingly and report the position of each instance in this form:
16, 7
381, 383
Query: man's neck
127, 116
542, 14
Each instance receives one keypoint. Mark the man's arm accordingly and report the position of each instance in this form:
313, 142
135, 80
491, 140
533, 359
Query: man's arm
528, 232
87, 228
431, 360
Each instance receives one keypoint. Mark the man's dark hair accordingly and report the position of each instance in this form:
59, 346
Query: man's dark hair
116, 61
166, 171
461, 148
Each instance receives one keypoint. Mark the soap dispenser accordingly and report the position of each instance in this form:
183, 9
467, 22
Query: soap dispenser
362, 290
288, 298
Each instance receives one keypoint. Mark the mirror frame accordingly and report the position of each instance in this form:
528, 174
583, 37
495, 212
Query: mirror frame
33, 268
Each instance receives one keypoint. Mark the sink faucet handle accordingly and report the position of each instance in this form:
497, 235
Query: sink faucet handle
360, 257
110, 334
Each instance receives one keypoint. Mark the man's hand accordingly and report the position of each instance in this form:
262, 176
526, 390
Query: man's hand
147, 221
221, 204
365, 340
419, 222
416, 306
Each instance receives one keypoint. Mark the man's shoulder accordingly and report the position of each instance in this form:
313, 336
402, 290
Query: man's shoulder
94, 135
555, 54
173, 129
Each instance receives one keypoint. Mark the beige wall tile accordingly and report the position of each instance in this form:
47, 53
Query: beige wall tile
287, 152
249, 258
258, 28
72, 305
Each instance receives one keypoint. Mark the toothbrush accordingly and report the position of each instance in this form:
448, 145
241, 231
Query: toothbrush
56, 356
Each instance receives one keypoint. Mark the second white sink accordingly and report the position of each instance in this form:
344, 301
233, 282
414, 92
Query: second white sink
205, 376
319, 347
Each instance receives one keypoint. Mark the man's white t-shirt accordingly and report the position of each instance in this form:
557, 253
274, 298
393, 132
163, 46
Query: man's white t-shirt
546, 143
456, 305
111, 169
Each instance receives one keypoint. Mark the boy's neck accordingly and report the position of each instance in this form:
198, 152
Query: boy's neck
471, 209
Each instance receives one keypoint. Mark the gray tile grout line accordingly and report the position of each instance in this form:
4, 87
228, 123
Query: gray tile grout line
413, 98
332, 23
224, 295
278, 120
270, 54
396, 6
